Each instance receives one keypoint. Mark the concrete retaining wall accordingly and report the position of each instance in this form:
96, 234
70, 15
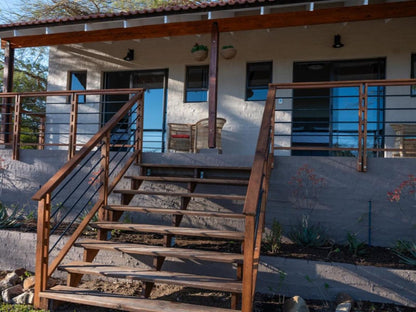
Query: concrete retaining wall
309, 279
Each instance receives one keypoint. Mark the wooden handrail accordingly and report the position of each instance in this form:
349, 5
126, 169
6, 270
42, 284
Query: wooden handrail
70, 92
81, 154
257, 195
260, 155
350, 83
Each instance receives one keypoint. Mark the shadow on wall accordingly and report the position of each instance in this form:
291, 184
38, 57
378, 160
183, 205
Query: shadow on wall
323, 280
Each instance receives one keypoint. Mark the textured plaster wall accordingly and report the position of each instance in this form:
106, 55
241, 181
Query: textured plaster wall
391, 39
342, 206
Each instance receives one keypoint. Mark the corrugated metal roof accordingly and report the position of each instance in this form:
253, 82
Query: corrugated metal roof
191, 8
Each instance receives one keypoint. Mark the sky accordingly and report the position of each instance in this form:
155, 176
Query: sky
8, 5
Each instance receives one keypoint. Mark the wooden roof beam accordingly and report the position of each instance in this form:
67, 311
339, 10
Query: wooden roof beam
275, 20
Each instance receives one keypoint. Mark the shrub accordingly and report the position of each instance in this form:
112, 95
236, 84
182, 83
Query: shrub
306, 234
354, 245
273, 238
6, 220
406, 250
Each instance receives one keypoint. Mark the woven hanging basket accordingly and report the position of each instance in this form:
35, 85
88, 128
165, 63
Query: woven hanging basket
228, 53
200, 55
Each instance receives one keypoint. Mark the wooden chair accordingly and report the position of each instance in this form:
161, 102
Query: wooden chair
405, 139
202, 133
180, 137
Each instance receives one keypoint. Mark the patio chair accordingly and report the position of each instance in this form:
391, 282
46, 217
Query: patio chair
202, 132
180, 137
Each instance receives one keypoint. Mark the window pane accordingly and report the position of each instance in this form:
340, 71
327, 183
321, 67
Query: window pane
196, 84
78, 81
259, 75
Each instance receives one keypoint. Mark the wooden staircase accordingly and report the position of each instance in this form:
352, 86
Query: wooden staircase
214, 185
189, 185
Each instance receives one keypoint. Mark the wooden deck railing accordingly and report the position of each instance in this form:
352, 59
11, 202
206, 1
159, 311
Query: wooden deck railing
368, 112
74, 171
67, 105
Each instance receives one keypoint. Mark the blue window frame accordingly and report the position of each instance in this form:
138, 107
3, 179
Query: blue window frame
259, 75
78, 81
196, 84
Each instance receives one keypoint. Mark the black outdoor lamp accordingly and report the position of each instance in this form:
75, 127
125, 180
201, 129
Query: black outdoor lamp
130, 55
337, 42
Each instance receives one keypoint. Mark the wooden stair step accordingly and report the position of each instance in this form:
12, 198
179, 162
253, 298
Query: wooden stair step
119, 302
181, 279
242, 182
182, 194
181, 253
196, 166
156, 210
172, 230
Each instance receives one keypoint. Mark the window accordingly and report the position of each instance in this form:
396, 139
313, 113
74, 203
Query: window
413, 75
196, 84
259, 75
328, 117
78, 81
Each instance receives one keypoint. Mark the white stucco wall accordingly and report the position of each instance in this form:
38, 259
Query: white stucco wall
391, 39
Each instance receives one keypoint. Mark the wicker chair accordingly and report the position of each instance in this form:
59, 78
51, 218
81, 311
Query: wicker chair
202, 133
180, 137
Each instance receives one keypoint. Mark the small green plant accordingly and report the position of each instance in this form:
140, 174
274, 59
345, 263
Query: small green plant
127, 218
356, 247
306, 234
273, 238
406, 250
9, 220
199, 47
227, 47
17, 308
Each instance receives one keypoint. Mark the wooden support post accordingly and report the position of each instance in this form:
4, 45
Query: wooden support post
104, 175
73, 120
213, 83
42, 251
16, 127
6, 118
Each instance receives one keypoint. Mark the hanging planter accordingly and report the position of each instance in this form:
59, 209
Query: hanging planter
228, 52
199, 52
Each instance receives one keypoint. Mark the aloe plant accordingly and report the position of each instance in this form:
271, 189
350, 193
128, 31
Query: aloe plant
406, 250
8, 220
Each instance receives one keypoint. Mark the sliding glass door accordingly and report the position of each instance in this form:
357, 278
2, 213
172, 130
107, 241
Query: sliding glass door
155, 83
328, 117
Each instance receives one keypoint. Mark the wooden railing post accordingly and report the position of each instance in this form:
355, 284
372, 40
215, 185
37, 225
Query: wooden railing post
104, 175
73, 120
16, 127
365, 119
138, 145
42, 250
42, 128
246, 296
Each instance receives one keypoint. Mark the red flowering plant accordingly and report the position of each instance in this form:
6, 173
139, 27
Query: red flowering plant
306, 188
406, 188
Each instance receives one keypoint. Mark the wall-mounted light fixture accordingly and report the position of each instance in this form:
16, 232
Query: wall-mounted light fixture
130, 55
337, 42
